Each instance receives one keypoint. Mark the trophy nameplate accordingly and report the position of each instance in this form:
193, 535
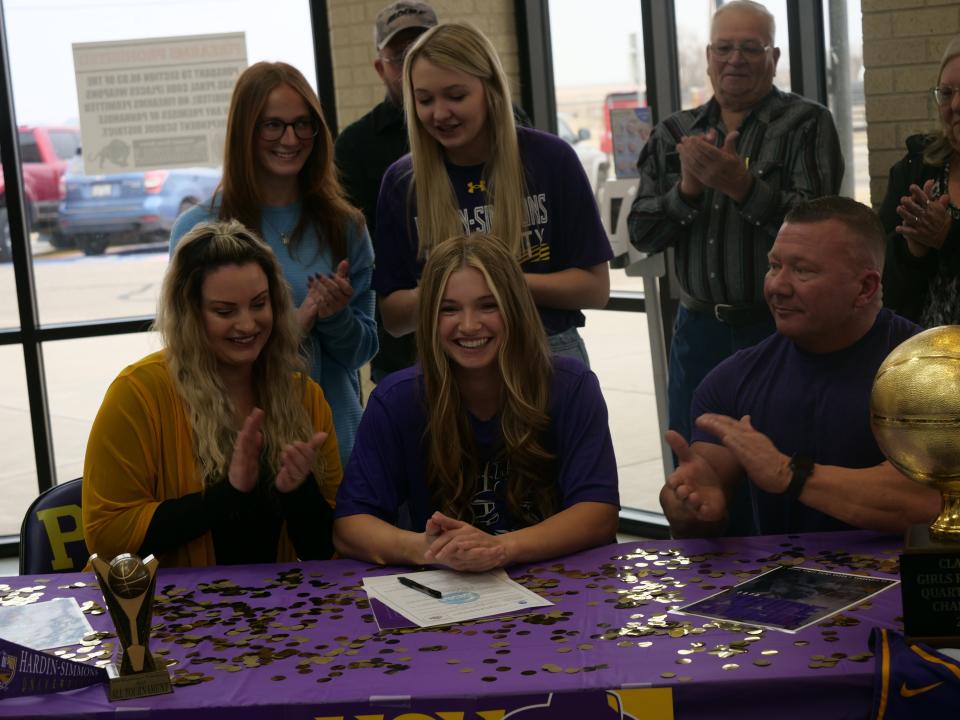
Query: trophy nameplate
930, 588
128, 583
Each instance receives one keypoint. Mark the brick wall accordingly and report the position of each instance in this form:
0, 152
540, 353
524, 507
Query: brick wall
902, 44
359, 88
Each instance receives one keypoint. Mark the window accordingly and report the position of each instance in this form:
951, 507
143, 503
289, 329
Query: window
65, 143
844, 59
108, 267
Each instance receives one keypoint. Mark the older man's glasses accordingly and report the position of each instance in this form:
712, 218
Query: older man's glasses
748, 50
305, 128
945, 94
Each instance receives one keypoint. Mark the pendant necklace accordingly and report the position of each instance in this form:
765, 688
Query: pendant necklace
284, 236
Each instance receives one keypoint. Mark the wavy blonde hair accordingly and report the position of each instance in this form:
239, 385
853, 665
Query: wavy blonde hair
323, 200
463, 48
525, 367
279, 374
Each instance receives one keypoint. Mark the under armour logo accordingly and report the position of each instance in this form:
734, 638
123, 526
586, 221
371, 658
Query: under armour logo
481, 186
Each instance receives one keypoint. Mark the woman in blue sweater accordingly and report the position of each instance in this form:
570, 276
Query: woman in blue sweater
279, 177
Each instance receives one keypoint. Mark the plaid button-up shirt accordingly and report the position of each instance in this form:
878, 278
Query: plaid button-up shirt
791, 147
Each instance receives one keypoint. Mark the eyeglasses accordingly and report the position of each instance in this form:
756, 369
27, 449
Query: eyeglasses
305, 128
749, 50
945, 94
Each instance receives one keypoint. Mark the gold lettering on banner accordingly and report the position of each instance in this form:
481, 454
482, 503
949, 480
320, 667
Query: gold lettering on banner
58, 537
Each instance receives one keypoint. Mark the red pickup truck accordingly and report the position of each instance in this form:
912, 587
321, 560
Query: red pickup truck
44, 152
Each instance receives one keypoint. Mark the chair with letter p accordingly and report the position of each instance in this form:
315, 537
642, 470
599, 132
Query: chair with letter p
51, 536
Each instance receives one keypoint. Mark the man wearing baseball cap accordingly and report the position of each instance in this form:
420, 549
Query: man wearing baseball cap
367, 147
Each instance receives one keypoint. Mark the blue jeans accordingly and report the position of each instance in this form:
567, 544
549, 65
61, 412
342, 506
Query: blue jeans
700, 342
569, 343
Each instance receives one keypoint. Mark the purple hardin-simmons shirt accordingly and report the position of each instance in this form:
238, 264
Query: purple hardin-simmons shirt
817, 405
561, 223
387, 470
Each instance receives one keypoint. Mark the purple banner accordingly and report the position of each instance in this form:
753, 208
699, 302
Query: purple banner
28, 672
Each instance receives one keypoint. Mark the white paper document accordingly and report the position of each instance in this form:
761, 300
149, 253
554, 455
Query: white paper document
465, 596
44, 625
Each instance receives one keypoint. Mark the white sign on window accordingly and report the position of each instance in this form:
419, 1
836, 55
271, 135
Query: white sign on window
156, 103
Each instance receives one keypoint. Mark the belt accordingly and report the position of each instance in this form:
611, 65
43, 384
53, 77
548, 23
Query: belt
725, 313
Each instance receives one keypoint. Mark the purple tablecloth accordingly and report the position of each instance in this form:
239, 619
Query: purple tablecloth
299, 641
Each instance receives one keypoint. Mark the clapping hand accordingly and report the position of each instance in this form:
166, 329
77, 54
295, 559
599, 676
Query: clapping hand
925, 220
692, 491
767, 467
245, 461
331, 293
297, 461
461, 546
720, 168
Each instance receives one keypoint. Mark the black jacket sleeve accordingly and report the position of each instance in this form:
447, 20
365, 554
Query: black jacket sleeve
906, 277
178, 521
309, 520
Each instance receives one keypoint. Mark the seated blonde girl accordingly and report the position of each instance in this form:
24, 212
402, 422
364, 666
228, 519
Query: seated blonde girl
217, 449
490, 451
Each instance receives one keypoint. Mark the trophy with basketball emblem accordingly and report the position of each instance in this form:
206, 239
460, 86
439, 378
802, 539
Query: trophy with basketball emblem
915, 417
127, 584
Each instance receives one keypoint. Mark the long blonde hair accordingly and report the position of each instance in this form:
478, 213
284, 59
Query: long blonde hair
463, 48
525, 367
323, 200
279, 374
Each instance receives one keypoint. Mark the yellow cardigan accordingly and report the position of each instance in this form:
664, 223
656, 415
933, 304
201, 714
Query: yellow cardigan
140, 453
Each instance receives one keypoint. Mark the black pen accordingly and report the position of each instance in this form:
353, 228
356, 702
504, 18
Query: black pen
414, 585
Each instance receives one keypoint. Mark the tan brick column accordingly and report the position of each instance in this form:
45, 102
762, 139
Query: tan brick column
351, 36
902, 44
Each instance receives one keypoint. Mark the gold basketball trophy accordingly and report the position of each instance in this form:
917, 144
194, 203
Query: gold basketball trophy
127, 583
915, 417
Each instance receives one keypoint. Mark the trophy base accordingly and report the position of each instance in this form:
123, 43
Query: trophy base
930, 588
138, 685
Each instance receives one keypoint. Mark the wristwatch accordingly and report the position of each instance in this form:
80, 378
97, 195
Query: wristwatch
801, 468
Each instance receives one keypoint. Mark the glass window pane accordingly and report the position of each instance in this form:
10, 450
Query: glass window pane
78, 374
620, 356
120, 223
29, 151
587, 91
65, 143
9, 314
598, 68
844, 57
693, 36
18, 470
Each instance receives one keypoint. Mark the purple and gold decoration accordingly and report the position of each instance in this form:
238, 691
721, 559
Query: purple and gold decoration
915, 416
128, 583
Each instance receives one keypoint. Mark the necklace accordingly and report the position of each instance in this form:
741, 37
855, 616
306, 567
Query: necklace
284, 236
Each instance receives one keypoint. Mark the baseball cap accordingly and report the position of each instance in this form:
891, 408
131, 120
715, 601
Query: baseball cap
400, 16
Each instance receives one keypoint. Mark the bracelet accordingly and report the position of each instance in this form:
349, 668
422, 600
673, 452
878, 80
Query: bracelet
801, 468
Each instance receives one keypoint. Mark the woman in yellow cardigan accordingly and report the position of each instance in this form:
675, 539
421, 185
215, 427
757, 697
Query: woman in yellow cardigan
218, 449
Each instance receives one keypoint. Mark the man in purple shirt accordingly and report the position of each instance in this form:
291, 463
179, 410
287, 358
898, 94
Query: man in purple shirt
790, 417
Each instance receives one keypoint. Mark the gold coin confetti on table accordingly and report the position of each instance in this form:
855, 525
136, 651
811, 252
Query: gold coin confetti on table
761, 663
730, 666
668, 675
769, 652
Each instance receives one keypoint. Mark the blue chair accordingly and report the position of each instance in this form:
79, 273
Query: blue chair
51, 536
